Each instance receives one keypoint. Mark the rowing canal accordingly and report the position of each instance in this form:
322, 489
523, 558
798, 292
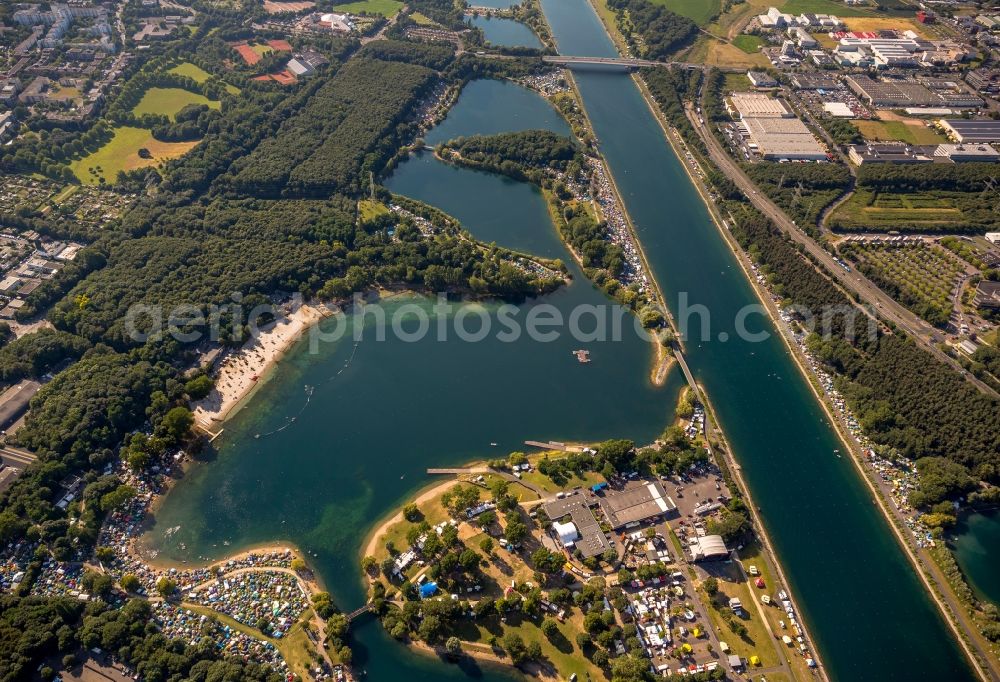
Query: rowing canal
381, 412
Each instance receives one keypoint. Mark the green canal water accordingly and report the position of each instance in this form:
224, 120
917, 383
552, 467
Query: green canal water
864, 604
976, 544
505, 32
383, 411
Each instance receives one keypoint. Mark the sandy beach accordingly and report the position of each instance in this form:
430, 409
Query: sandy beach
239, 371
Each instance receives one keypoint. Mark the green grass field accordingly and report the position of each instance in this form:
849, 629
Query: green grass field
898, 130
169, 101
699, 11
824, 7
748, 43
386, 8
122, 153
192, 71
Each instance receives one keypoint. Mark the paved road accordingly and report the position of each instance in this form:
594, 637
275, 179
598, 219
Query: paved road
921, 331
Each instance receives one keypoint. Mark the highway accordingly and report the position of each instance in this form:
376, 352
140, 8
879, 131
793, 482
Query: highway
925, 334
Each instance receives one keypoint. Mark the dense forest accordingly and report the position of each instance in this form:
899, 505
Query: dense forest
505, 152
351, 124
660, 32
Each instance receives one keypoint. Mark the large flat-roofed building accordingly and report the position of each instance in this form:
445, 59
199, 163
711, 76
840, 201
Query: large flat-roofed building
783, 138
591, 540
636, 504
895, 94
971, 130
968, 152
862, 154
759, 105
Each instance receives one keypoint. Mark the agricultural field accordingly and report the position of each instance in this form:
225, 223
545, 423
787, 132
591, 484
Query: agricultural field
387, 8
169, 101
882, 211
121, 153
749, 43
911, 131
921, 277
699, 11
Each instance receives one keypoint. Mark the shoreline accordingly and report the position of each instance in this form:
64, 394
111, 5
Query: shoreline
241, 371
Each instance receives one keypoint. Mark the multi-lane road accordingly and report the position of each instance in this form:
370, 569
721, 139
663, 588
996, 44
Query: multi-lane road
887, 308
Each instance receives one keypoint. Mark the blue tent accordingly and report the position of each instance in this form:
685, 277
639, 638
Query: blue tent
428, 590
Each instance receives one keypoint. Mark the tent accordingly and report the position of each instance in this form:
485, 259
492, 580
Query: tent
428, 590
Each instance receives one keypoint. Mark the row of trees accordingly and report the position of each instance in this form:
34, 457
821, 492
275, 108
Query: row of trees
904, 397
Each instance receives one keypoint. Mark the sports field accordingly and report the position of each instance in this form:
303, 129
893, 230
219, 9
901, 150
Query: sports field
122, 153
387, 8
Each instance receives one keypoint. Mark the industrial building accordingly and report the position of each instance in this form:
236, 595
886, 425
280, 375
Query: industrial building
988, 295
891, 94
637, 504
760, 79
898, 152
783, 138
759, 105
971, 130
968, 152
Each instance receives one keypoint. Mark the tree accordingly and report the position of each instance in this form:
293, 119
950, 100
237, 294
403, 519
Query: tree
454, 646
549, 628
583, 641
199, 387
486, 544
469, 559
411, 513
369, 564
430, 629
298, 564
514, 645
711, 586
165, 586
177, 423
630, 669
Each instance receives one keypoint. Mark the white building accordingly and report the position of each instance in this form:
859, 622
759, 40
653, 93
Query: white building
759, 105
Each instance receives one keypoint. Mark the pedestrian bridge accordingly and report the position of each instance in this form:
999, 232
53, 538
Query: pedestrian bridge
614, 61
